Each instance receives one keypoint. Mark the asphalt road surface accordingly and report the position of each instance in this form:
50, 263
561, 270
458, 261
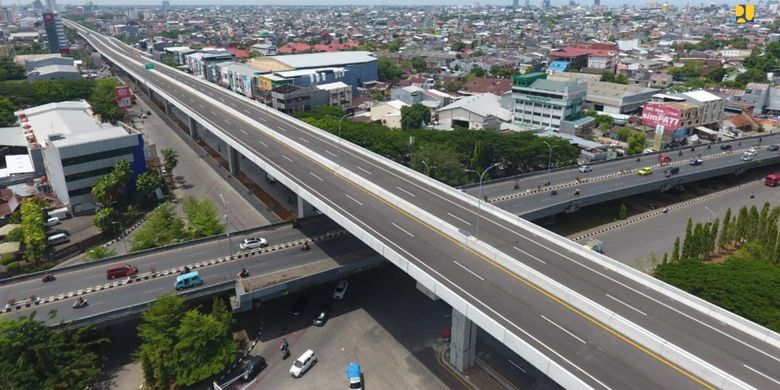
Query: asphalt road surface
581, 345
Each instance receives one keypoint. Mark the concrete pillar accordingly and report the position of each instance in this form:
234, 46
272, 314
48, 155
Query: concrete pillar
428, 293
463, 341
304, 208
193, 128
168, 108
233, 158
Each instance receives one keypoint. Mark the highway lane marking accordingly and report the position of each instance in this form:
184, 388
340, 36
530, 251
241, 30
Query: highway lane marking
571, 308
262, 143
303, 139
330, 153
563, 329
762, 374
468, 270
516, 366
228, 122
458, 218
243, 131
363, 169
247, 112
529, 255
315, 176
407, 192
402, 229
214, 114
353, 199
202, 106
287, 158
626, 305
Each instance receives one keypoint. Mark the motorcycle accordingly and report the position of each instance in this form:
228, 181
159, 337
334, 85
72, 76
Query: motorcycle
305, 246
48, 278
243, 274
80, 303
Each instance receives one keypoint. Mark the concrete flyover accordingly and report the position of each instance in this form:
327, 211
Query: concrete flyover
584, 321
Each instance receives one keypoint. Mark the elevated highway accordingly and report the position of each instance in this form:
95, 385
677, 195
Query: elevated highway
579, 317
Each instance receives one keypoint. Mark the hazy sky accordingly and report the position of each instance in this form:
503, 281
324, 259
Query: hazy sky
370, 2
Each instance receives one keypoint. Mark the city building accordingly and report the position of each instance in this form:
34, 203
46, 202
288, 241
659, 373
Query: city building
75, 149
590, 55
54, 72
339, 94
358, 67
477, 112
292, 98
41, 60
239, 78
197, 62
430, 98
166, 5
757, 95
672, 116
265, 49
541, 103
611, 98
55, 33
388, 113
712, 106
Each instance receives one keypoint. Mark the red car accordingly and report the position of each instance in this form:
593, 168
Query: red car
662, 158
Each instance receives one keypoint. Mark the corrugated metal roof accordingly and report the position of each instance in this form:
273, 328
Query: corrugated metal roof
318, 60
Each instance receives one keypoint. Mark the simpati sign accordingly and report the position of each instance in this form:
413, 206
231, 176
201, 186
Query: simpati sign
124, 98
655, 114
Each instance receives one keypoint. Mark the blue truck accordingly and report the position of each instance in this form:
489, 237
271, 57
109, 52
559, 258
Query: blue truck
354, 376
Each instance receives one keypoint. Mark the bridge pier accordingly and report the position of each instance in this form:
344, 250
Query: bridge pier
233, 161
304, 208
168, 107
463, 341
193, 125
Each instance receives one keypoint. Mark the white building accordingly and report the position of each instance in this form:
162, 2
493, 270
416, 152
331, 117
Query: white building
712, 106
388, 113
482, 111
541, 103
76, 149
339, 94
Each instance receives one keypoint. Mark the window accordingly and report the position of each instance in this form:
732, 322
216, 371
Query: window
97, 156
92, 173
79, 191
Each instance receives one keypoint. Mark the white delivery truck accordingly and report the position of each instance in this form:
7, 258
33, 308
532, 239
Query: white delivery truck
60, 213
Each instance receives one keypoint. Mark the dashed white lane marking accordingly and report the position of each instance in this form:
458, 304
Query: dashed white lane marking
459, 219
529, 255
762, 374
331, 153
563, 329
353, 199
402, 229
286, 158
626, 305
468, 270
315, 176
364, 170
407, 192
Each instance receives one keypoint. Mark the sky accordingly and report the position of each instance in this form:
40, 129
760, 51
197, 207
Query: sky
373, 2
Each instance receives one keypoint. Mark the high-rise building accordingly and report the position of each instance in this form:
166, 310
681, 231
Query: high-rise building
55, 33
515, 3
546, 4
51, 5
597, 2
165, 5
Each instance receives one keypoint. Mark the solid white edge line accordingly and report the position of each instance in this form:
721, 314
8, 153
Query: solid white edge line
626, 305
529, 255
517, 366
762, 374
353, 199
363, 169
316, 177
562, 328
468, 270
407, 192
458, 218
402, 229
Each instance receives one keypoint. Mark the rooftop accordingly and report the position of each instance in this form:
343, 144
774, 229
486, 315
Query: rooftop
483, 105
702, 96
551, 85
318, 60
331, 86
54, 69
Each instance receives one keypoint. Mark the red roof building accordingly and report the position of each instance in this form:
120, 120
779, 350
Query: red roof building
495, 86
578, 56
295, 48
238, 53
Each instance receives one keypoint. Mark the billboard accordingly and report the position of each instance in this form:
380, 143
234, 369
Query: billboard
655, 114
124, 98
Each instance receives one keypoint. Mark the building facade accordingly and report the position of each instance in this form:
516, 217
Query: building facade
541, 103
292, 98
55, 33
339, 94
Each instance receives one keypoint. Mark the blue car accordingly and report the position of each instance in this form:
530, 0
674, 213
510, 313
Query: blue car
354, 376
188, 280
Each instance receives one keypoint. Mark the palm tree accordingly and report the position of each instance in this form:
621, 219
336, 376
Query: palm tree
170, 161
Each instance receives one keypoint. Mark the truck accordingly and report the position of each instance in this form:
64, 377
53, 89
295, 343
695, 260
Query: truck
354, 376
60, 213
595, 245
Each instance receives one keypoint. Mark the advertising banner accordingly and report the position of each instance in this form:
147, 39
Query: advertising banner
124, 97
655, 114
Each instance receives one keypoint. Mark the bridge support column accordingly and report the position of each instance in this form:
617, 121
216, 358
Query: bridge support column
193, 128
428, 293
233, 158
304, 208
463, 341
168, 108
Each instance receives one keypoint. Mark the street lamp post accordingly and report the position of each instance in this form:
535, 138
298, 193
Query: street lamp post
339, 135
427, 168
227, 224
479, 198
549, 161
711, 212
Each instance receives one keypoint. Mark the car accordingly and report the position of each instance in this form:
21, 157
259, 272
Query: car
51, 222
252, 366
662, 159
303, 364
725, 147
645, 171
668, 172
322, 316
298, 306
773, 148
585, 168
731, 134
694, 161
340, 290
749, 154
354, 376
253, 242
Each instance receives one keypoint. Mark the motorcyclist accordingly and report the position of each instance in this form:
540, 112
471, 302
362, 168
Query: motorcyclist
285, 346
244, 273
185, 270
305, 246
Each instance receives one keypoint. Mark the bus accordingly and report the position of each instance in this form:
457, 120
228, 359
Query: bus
772, 179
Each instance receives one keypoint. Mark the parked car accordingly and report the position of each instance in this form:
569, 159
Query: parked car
773, 148
725, 147
354, 376
298, 306
254, 242
52, 222
668, 172
340, 290
645, 171
303, 364
252, 366
322, 316
585, 168
694, 161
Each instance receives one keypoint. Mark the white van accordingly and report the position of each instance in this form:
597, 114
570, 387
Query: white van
57, 239
302, 364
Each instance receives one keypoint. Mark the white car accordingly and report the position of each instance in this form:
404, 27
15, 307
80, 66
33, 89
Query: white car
254, 242
749, 154
340, 290
52, 222
303, 364
585, 168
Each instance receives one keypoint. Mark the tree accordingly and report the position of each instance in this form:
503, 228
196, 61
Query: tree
687, 241
418, 64
32, 226
158, 334
614, 78
205, 345
751, 231
162, 228
458, 46
443, 163
636, 143
146, 185
696, 247
100, 252
7, 117
36, 356
103, 100
414, 116
104, 218
725, 234
388, 71
689, 69
712, 239
752, 75
112, 188
762, 226
622, 211
477, 71
676, 249
202, 217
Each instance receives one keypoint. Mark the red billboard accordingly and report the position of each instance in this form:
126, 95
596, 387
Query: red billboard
654, 114
124, 97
